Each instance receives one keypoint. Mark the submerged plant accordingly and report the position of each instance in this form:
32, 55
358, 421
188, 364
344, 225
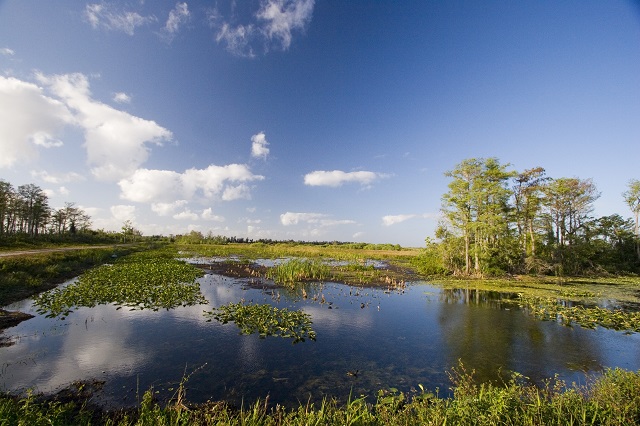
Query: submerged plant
266, 320
139, 282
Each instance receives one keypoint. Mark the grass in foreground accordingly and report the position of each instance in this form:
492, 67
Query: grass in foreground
24, 276
612, 399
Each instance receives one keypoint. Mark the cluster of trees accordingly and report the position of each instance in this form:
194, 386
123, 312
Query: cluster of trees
497, 220
26, 211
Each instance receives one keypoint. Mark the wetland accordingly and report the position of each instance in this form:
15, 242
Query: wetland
300, 325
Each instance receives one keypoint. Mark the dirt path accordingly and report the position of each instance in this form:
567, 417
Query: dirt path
52, 250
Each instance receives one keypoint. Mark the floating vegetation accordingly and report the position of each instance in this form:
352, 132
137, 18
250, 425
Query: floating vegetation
141, 281
266, 320
548, 308
298, 270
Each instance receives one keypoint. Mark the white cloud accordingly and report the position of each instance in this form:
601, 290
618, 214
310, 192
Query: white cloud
123, 212
271, 26
390, 220
56, 178
337, 178
186, 215
151, 186
239, 192
207, 214
259, 146
116, 141
237, 39
166, 209
28, 118
7, 52
281, 17
166, 186
177, 17
290, 218
63, 191
45, 140
106, 15
121, 98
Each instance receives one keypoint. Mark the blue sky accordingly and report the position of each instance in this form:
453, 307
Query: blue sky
310, 120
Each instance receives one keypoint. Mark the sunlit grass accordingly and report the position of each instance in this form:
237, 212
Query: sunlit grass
610, 399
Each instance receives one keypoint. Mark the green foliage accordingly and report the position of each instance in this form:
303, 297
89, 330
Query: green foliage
143, 280
430, 260
612, 399
24, 276
266, 320
298, 270
548, 308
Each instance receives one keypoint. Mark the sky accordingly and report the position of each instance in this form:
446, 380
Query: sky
315, 120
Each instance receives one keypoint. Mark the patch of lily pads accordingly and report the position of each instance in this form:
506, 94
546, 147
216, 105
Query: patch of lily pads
137, 282
266, 320
548, 308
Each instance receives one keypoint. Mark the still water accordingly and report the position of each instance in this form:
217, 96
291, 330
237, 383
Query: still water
389, 339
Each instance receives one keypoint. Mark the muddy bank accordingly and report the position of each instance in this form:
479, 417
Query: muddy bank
10, 319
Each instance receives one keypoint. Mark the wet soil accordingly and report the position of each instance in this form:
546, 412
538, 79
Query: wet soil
10, 319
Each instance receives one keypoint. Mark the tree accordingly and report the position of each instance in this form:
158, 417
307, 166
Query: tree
129, 232
568, 203
632, 198
527, 194
34, 210
476, 208
7, 195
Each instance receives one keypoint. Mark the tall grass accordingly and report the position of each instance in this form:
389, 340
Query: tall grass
298, 270
611, 399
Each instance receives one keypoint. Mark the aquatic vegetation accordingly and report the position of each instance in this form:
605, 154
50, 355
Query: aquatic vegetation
548, 308
610, 399
266, 320
23, 276
141, 281
298, 270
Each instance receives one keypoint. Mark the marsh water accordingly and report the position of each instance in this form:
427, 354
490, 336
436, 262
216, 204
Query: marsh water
367, 339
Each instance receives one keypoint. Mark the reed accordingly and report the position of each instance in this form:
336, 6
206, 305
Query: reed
298, 270
612, 399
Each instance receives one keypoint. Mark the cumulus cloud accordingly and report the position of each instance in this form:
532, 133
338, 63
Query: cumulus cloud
45, 140
162, 186
123, 212
390, 220
186, 215
110, 17
337, 178
270, 27
239, 192
291, 218
259, 146
116, 141
6, 51
207, 214
121, 98
167, 209
29, 119
177, 18
56, 178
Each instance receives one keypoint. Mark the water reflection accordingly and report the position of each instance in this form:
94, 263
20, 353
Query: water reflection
393, 340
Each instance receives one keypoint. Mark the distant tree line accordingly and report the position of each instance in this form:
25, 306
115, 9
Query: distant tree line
25, 211
497, 221
196, 237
